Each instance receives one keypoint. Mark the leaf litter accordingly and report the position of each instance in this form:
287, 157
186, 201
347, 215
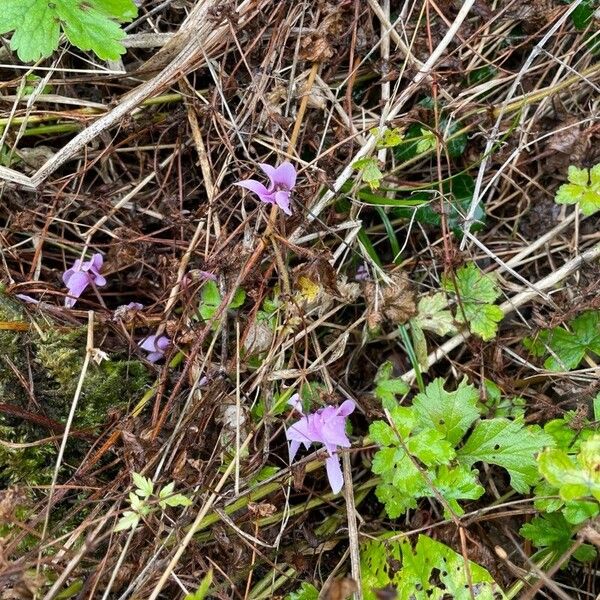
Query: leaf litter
472, 454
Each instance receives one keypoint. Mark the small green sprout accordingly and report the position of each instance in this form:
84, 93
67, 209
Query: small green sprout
390, 138
583, 189
427, 142
369, 171
140, 504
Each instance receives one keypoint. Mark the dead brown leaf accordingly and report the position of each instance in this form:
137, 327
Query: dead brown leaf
394, 302
340, 589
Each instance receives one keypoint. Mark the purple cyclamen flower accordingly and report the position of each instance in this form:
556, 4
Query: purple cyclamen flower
282, 182
362, 273
82, 274
132, 306
156, 346
326, 426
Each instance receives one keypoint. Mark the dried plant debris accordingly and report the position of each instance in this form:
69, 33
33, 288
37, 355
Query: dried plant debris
299, 300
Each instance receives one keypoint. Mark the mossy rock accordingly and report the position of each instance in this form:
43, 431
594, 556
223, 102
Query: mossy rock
49, 357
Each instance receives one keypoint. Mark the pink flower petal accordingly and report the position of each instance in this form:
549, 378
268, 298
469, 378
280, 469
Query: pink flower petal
154, 356
334, 433
282, 199
67, 275
300, 431
296, 403
334, 473
270, 172
346, 408
294, 447
76, 285
96, 263
285, 175
258, 188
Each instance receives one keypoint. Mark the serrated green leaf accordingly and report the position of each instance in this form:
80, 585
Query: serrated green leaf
429, 571
145, 487
508, 444
578, 511
388, 387
552, 531
548, 531
129, 520
370, 173
167, 490
390, 138
427, 142
476, 292
174, 500
431, 447
583, 189
381, 433
451, 413
458, 483
432, 315
566, 349
396, 502
90, 25
575, 477
307, 591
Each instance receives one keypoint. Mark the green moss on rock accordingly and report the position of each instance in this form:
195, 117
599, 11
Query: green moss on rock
51, 357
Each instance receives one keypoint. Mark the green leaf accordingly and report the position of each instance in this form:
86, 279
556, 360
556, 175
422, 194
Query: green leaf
175, 500
583, 15
552, 531
433, 316
390, 138
451, 413
497, 406
90, 25
476, 292
429, 571
427, 142
396, 501
307, 591
202, 592
458, 194
455, 144
129, 520
388, 387
508, 444
583, 189
381, 433
239, 297
145, 487
431, 447
458, 483
369, 171
210, 300
566, 349
578, 511
574, 477
168, 498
